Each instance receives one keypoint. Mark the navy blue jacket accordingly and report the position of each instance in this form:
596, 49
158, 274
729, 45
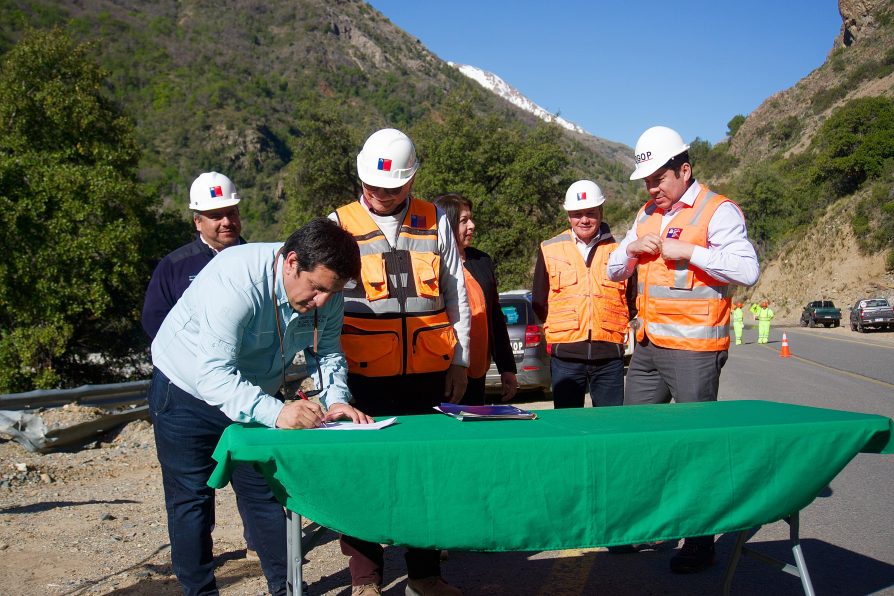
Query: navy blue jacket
171, 277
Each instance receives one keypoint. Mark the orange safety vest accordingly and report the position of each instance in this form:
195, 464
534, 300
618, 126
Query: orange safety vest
680, 306
479, 334
395, 320
584, 304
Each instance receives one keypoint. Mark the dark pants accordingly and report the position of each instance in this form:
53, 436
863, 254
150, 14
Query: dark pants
392, 396
656, 375
571, 379
474, 395
187, 430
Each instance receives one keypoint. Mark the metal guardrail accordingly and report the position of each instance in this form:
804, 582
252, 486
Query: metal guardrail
88, 395
113, 396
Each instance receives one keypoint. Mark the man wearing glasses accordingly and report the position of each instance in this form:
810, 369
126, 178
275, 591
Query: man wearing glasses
406, 330
220, 356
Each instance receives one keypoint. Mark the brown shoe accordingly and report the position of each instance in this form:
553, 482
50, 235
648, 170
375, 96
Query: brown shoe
431, 586
366, 590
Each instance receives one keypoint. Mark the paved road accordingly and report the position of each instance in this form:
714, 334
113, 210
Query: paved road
847, 533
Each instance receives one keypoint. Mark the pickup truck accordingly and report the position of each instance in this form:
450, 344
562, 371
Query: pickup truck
821, 312
871, 313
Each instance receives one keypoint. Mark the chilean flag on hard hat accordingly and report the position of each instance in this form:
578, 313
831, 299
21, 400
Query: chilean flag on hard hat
216, 192
582, 196
384, 164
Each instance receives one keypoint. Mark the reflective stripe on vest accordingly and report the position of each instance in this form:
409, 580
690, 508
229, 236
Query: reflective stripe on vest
395, 321
680, 306
584, 304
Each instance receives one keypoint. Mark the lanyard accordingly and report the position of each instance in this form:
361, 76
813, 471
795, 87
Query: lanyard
279, 333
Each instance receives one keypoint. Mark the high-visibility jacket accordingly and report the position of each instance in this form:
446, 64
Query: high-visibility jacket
584, 304
765, 314
738, 316
680, 306
479, 334
395, 320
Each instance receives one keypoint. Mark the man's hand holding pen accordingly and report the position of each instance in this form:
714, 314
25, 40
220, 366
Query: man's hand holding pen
305, 413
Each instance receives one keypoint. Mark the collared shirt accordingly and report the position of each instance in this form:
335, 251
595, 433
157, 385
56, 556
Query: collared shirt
220, 344
453, 283
205, 242
585, 248
729, 256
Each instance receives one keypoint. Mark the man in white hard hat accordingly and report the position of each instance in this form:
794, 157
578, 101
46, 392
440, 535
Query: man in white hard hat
406, 328
214, 201
586, 314
221, 356
690, 246
215, 212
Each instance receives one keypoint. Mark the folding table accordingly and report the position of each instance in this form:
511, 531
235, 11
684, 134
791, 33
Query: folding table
570, 479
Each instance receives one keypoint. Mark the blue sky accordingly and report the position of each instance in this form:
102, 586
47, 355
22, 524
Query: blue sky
618, 67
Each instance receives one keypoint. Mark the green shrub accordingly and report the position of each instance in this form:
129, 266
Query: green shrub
855, 144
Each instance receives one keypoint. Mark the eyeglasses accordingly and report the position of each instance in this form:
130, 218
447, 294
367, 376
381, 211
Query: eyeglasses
391, 192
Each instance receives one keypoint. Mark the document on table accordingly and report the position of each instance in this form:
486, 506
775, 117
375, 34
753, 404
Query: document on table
354, 426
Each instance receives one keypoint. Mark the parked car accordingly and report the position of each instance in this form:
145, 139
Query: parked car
821, 312
871, 313
528, 344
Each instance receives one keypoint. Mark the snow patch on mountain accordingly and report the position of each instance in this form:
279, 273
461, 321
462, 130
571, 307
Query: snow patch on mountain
493, 83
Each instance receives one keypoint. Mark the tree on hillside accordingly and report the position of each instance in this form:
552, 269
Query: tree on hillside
516, 178
732, 127
72, 221
855, 144
323, 173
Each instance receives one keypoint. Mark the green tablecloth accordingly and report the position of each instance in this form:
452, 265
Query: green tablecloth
571, 479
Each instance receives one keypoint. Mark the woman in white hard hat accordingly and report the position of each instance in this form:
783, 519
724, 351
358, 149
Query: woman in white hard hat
691, 246
489, 337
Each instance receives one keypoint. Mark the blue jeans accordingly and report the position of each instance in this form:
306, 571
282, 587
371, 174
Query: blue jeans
187, 430
571, 379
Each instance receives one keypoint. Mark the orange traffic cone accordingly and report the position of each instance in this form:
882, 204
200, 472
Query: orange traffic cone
784, 353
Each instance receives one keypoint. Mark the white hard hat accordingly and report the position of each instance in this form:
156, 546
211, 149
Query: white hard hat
583, 194
388, 159
212, 191
655, 148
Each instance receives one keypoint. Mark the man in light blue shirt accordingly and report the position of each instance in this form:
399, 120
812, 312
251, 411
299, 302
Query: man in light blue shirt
220, 356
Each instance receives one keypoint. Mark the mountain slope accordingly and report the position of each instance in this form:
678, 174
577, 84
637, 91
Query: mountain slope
823, 261
861, 63
221, 85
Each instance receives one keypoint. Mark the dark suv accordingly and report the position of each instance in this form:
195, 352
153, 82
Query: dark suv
528, 344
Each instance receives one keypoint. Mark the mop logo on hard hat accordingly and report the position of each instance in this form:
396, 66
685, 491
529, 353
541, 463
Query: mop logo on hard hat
216, 192
384, 165
641, 157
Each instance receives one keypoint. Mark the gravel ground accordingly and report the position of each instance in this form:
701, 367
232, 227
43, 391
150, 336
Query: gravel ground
92, 521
